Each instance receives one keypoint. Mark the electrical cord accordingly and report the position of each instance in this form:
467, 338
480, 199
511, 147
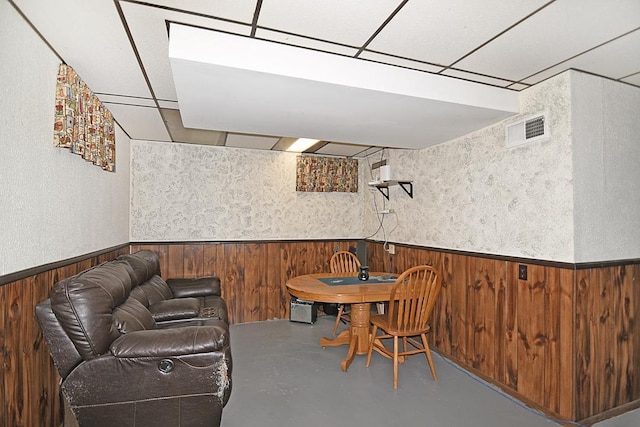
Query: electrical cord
381, 218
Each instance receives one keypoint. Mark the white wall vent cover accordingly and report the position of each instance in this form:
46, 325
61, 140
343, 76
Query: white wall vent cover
533, 128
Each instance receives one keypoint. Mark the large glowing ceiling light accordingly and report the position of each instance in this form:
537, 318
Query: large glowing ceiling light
239, 84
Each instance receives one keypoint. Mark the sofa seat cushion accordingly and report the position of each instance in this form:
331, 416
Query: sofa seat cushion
175, 309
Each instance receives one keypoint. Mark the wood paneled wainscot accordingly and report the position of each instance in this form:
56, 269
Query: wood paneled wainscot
253, 275
30, 391
563, 340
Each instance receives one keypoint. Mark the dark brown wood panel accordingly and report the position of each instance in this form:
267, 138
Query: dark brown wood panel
193, 261
255, 287
3, 380
30, 393
532, 337
483, 315
276, 296
454, 274
607, 343
584, 393
500, 285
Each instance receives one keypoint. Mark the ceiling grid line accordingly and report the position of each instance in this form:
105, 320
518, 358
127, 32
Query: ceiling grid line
449, 43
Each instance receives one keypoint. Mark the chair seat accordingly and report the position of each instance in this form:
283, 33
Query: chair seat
382, 322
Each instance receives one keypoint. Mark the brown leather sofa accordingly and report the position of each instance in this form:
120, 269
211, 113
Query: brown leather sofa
135, 350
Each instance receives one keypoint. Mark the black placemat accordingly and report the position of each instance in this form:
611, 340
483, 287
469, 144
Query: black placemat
353, 280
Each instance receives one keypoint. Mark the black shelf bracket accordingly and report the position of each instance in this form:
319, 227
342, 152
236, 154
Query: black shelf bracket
407, 186
383, 187
384, 191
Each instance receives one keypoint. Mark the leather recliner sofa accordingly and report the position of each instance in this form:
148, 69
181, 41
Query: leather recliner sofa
135, 350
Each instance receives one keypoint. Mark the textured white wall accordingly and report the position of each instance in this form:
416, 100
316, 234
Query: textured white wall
474, 194
55, 205
606, 141
196, 192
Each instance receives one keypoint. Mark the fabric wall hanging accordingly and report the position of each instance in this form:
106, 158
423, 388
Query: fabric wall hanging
82, 124
322, 174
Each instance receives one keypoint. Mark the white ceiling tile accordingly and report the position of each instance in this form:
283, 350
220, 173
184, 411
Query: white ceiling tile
251, 141
518, 86
306, 42
237, 10
98, 49
615, 59
347, 22
476, 77
190, 136
406, 63
633, 79
441, 32
172, 105
559, 31
140, 122
129, 100
349, 150
149, 30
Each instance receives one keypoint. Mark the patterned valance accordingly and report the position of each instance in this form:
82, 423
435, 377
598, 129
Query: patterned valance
82, 124
320, 174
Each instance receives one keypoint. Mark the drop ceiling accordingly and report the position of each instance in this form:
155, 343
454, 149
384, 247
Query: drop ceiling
486, 52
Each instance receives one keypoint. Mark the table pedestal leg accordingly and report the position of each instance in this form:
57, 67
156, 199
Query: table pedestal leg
357, 336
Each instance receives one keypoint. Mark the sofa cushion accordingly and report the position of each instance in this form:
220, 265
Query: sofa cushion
84, 304
132, 316
175, 309
144, 264
152, 291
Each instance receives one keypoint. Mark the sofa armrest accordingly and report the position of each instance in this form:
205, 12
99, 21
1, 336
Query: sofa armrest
199, 287
108, 380
170, 342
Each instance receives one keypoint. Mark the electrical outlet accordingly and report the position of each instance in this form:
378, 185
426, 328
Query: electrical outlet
522, 272
391, 249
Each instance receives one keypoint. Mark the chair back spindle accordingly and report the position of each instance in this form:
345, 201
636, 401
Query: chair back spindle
412, 299
344, 262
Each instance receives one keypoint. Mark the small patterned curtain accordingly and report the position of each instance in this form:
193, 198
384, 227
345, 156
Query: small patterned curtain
323, 174
82, 124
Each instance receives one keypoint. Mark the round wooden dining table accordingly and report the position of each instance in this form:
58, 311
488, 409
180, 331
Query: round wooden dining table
360, 294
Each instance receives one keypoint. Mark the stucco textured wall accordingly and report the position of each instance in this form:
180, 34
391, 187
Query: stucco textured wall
606, 145
55, 205
196, 192
474, 194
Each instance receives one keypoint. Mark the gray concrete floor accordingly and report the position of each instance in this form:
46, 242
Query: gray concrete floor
283, 378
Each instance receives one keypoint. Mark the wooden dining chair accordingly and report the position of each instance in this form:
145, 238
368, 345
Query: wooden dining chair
343, 262
413, 296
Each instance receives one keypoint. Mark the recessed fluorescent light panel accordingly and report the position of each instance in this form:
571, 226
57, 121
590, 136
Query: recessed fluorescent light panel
302, 144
